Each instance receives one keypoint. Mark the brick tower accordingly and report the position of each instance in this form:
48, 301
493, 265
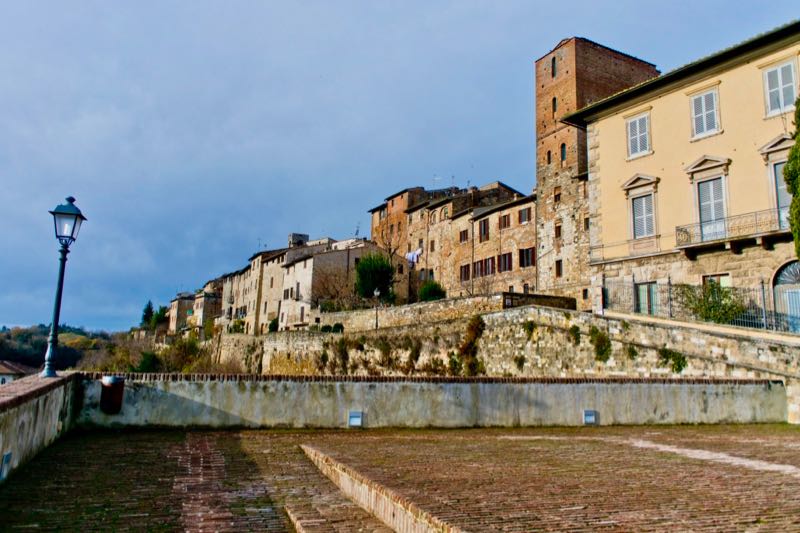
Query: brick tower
574, 74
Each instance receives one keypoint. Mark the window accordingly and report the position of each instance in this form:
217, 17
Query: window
391, 229
525, 288
558, 231
527, 257
646, 298
704, 114
433, 245
464, 273
421, 242
488, 266
400, 268
549, 157
356, 260
563, 152
585, 294
782, 194
711, 209
483, 230
638, 135
463, 235
586, 224
399, 227
271, 282
285, 294
643, 220
556, 194
723, 280
505, 221
504, 262
553, 67
444, 213
477, 269
554, 106
524, 215
780, 88
559, 269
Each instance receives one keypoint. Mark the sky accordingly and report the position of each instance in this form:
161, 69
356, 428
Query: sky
192, 133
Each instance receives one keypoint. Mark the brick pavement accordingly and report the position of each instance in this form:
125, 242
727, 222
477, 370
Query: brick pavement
577, 479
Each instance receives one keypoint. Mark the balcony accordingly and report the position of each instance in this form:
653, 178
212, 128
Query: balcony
762, 227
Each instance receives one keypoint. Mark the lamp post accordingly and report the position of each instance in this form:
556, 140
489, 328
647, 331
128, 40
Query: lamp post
376, 294
67, 219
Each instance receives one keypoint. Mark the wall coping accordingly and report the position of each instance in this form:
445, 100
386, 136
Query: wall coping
155, 377
23, 390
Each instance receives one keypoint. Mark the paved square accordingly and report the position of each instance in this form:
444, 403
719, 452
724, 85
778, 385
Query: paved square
716, 478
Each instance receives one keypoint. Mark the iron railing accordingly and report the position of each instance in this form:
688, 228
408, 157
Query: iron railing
750, 307
733, 227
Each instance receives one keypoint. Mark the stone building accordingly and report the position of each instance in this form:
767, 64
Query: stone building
318, 276
685, 174
180, 309
207, 307
574, 74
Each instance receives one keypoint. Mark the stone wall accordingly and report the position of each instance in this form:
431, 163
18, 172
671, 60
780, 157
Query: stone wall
235, 401
34, 412
425, 312
544, 342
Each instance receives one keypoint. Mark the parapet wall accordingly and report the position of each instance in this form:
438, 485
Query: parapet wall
34, 412
419, 313
323, 402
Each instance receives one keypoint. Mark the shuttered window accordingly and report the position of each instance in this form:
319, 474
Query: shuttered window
780, 87
712, 209
639, 135
704, 114
643, 220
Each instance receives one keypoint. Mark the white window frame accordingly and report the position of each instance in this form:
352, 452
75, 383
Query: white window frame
717, 126
633, 198
786, 107
636, 118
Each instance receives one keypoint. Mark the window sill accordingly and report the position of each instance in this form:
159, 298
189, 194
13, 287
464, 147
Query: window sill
697, 138
784, 111
639, 156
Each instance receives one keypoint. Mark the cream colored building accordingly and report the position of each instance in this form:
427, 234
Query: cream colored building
685, 175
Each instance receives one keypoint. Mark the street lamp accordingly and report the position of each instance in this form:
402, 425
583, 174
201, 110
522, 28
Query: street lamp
67, 219
376, 294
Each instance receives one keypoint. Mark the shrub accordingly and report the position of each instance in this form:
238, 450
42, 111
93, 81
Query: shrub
454, 365
519, 360
337, 328
327, 328
601, 343
632, 352
791, 174
575, 334
342, 355
237, 326
208, 329
273, 325
430, 291
148, 363
711, 302
322, 361
529, 328
676, 360
468, 350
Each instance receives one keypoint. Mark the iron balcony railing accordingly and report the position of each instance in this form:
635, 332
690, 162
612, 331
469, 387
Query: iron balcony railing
738, 226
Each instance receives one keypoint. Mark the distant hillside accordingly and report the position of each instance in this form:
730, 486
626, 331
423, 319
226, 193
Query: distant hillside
28, 345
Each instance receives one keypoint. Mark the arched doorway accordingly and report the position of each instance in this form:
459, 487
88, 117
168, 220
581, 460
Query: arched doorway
786, 292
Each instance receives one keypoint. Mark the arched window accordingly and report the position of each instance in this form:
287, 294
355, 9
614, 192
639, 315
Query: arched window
553, 67
549, 157
563, 152
555, 106
786, 294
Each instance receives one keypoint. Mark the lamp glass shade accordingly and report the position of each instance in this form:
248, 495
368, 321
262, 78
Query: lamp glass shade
376, 293
67, 219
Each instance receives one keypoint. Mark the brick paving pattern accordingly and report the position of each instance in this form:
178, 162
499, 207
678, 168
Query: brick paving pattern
546, 479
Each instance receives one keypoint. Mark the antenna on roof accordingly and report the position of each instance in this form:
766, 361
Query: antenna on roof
358, 227
452, 180
259, 244
435, 179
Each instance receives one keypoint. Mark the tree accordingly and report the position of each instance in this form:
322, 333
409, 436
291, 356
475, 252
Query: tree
159, 317
791, 173
147, 314
431, 290
375, 271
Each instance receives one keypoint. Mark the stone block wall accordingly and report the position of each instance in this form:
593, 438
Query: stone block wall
405, 315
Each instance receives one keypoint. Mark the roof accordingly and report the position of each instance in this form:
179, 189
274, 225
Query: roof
585, 115
268, 254
301, 257
485, 211
17, 369
562, 42
377, 208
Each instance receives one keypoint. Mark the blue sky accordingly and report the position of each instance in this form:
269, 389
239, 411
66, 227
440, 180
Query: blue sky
191, 131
